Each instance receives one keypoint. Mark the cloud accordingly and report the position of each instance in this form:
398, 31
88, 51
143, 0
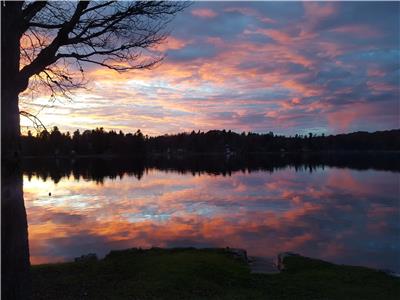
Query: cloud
204, 13
330, 56
363, 31
251, 13
172, 43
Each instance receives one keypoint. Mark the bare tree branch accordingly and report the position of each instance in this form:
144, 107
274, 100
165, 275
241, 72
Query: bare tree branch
47, 55
34, 119
32, 9
113, 34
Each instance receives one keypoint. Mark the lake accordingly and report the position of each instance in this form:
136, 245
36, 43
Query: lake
341, 209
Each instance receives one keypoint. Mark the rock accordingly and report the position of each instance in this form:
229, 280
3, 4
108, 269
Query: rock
262, 265
86, 258
394, 274
390, 272
281, 257
238, 253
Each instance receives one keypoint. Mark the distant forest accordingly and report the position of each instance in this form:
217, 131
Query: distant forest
101, 142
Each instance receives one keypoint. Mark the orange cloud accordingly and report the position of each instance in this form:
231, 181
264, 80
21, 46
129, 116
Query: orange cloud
172, 43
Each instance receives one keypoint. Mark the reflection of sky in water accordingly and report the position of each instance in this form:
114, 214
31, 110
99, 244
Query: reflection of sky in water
341, 215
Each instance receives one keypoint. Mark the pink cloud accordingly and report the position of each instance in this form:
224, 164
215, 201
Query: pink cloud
277, 35
291, 103
329, 49
379, 87
251, 13
342, 118
204, 13
319, 10
314, 14
216, 41
296, 101
373, 72
361, 31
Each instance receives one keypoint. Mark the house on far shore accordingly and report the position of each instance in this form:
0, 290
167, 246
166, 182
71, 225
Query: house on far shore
228, 151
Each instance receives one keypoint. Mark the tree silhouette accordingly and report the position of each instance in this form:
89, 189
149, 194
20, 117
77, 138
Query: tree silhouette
101, 142
44, 43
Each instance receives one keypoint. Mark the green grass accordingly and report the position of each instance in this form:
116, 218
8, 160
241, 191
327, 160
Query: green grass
205, 274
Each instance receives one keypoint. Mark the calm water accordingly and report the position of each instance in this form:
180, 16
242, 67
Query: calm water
338, 214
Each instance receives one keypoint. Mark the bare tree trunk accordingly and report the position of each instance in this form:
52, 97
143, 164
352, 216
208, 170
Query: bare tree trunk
10, 127
10, 56
15, 279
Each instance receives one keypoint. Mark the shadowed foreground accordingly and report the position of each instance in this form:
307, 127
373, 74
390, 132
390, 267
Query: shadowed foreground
205, 274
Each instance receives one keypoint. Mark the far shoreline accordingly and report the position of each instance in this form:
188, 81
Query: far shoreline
189, 154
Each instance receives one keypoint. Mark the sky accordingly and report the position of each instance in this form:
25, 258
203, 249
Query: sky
286, 67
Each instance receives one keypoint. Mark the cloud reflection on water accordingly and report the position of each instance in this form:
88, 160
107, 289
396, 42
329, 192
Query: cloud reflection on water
341, 215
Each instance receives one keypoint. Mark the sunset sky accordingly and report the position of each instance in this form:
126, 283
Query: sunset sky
286, 67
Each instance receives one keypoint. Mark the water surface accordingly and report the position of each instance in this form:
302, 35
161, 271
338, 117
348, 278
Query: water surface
342, 215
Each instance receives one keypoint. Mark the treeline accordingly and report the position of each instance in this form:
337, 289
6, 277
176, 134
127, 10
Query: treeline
99, 168
89, 142
101, 142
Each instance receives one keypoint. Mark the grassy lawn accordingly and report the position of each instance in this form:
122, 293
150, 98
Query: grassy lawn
205, 274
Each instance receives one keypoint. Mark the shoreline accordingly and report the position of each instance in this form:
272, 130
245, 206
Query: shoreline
276, 263
214, 273
198, 154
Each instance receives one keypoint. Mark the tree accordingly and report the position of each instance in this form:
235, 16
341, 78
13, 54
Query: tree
46, 42
43, 43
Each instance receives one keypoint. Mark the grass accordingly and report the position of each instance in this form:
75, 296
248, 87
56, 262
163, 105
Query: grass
205, 274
